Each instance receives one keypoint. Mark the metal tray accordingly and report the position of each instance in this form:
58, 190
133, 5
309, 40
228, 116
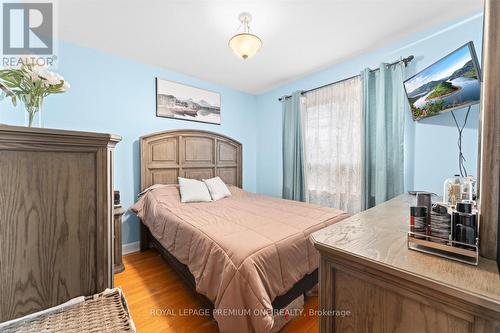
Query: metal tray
453, 250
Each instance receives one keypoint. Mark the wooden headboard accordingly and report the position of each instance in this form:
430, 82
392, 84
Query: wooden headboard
189, 154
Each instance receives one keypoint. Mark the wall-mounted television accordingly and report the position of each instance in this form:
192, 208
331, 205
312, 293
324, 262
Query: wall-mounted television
452, 82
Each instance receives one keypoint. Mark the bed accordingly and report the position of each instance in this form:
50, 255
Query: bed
247, 255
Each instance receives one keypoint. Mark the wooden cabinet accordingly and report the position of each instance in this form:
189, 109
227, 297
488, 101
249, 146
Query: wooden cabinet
56, 212
371, 282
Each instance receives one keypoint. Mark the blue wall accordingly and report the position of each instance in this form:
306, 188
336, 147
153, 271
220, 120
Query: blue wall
114, 95
431, 153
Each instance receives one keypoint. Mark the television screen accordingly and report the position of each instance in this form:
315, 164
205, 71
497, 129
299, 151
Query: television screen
451, 83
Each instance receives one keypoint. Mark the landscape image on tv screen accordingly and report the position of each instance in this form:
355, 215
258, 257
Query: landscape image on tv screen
452, 82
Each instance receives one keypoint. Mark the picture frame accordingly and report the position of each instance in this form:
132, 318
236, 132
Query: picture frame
184, 102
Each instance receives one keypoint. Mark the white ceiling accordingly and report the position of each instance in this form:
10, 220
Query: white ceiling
300, 37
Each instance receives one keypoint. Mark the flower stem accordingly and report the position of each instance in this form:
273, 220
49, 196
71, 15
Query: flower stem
31, 116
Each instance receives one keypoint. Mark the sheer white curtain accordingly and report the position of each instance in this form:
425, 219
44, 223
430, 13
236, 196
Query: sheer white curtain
332, 121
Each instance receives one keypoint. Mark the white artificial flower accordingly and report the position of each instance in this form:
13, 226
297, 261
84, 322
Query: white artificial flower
32, 75
53, 81
41, 71
50, 77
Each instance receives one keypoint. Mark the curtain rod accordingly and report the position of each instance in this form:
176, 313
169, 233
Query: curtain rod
406, 61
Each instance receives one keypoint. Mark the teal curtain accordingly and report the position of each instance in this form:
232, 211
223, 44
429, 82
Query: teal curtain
293, 149
383, 118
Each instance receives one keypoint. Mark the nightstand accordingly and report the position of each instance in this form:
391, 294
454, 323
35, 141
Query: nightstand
118, 263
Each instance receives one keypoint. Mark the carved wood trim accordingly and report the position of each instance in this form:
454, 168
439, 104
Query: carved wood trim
189, 153
27, 135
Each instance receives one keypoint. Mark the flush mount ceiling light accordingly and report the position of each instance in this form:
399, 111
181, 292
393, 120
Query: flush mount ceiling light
245, 44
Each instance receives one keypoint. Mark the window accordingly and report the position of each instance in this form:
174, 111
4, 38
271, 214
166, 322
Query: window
332, 120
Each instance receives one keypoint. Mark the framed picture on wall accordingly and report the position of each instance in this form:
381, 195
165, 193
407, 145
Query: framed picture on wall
179, 101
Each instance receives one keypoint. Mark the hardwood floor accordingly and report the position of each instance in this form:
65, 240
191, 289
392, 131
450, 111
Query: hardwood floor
157, 298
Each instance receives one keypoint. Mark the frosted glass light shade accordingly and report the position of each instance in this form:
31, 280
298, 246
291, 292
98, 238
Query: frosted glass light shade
245, 45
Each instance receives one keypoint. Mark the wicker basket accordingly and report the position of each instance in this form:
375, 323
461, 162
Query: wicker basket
104, 312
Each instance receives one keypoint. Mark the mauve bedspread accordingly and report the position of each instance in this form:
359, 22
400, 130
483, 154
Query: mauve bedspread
243, 250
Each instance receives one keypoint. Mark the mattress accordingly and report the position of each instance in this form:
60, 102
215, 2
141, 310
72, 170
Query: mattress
243, 251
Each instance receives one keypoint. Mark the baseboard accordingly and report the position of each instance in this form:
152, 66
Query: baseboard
130, 248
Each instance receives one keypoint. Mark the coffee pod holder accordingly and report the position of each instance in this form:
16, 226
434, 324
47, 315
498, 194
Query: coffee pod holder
445, 248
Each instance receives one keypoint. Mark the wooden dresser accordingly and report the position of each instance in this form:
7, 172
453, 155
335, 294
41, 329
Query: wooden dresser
367, 272
56, 213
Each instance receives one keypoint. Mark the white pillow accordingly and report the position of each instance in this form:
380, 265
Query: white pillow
193, 190
217, 188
